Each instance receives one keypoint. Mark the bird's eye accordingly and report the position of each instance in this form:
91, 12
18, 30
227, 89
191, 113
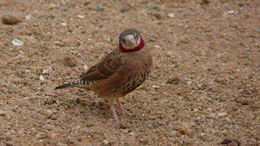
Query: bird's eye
136, 36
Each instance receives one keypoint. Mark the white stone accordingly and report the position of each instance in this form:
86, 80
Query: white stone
131, 133
28, 17
63, 23
169, 53
28, 71
221, 114
232, 12
2, 113
80, 16
156, 87
171, 15
157, 46
17, 42
85, 67
45, 71
105, 142
41, 78
189, 83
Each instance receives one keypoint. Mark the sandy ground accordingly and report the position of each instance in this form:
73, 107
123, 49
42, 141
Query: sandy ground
204, 87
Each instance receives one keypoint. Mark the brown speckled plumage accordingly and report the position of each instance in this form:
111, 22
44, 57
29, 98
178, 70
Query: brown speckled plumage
118, 73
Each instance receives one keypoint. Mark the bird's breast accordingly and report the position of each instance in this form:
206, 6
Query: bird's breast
133, 82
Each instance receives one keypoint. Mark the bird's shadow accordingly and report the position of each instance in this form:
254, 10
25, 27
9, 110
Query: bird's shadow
90, 106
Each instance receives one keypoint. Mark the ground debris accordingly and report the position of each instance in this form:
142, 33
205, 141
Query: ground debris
230, 142
173, 80
3, 113
10, 19
69, 61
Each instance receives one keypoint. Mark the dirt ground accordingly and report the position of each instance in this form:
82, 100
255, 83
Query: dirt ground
204, 88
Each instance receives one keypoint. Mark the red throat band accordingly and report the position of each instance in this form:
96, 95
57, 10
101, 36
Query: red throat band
137, 48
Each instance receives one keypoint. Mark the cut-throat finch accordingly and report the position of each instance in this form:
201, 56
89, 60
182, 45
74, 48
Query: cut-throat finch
120, 72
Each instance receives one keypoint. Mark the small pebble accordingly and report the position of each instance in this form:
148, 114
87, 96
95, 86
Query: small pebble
28, 71
156, 87
85, 67
243, 101
10, 19
51, 17
213, 115
17, 42
173, 80
205, 2
246, 49
257, 29
99, 8
18, 57
131, 133
86, 3
173, 132
37, 110
230, 142
157, 16
63, 23
69, 61
196, 110
232, 12
28, 17
64, 9
41, 78
105, 142
171, 15
157, 46
221, 114
53, 6
241, 4
189, 83
2, 113
45, 71
124, 9
151, 6
80, 16
169, 53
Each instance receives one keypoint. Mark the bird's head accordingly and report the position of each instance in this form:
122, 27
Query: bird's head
130, 40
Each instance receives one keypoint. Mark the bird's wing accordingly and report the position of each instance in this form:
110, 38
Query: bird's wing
103, 70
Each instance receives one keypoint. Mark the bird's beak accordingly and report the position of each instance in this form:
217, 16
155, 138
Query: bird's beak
130, 40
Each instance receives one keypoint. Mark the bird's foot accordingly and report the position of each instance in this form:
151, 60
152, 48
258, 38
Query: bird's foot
123, 110
121, 107
114, 113
116, 120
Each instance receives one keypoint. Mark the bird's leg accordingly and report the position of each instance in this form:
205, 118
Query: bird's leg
121, 106
112, 107
114, 113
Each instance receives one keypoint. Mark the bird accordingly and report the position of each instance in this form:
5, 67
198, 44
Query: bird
118, 73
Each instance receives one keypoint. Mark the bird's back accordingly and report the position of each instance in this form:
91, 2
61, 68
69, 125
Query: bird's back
119, 73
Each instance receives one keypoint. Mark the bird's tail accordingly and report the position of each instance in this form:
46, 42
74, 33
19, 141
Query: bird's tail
72, 84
